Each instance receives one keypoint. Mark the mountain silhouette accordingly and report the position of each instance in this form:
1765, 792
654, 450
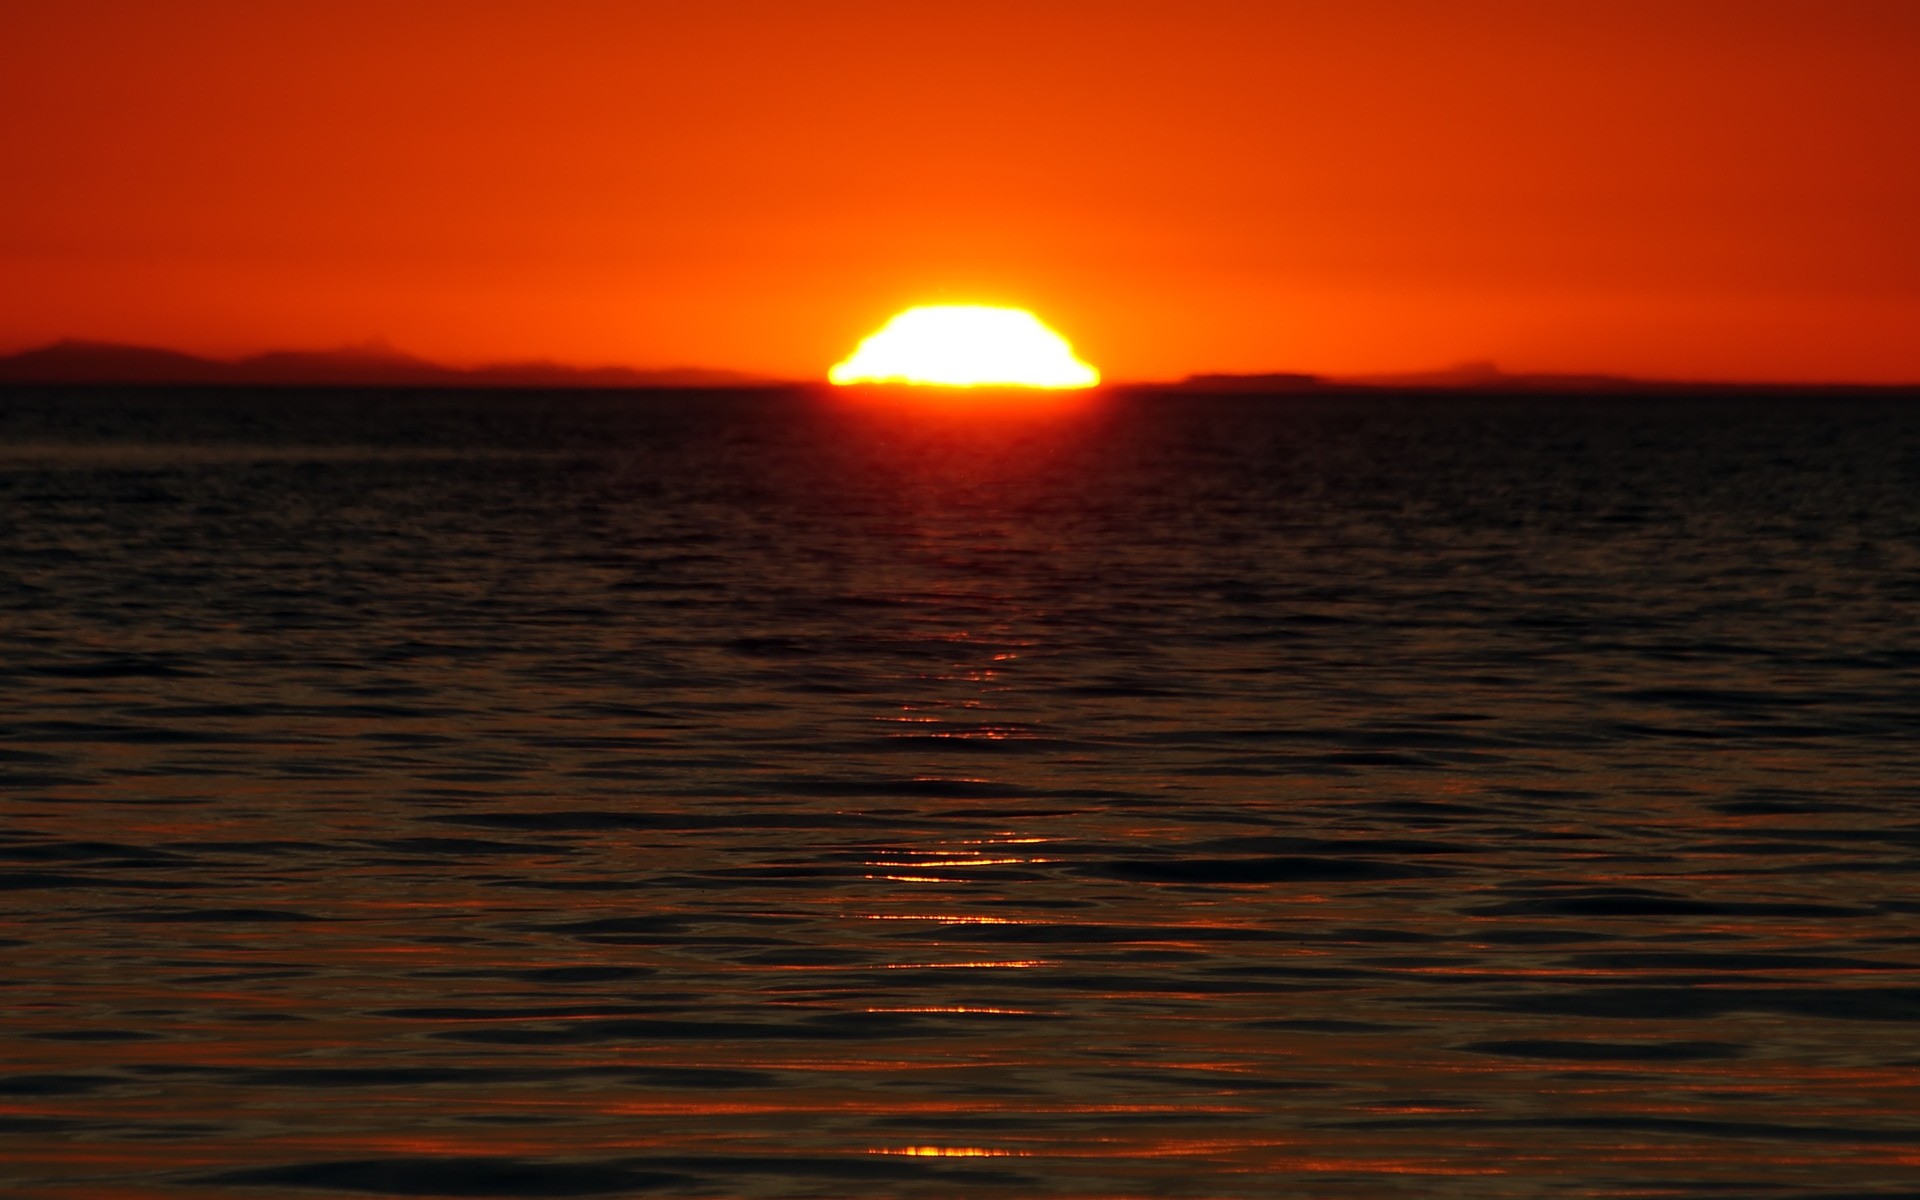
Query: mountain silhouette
374, 364
1487, 378
1271, 381
108, 362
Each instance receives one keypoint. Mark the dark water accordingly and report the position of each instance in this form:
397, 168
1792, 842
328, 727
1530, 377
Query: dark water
757, 796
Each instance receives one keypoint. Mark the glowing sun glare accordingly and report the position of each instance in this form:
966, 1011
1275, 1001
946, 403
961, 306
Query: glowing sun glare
966, 345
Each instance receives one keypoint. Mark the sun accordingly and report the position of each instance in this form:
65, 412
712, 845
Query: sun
966, 345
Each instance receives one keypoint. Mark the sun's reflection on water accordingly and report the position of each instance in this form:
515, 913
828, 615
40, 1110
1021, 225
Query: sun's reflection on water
950, 918
947, 1152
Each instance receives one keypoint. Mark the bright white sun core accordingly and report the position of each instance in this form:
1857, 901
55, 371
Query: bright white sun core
966, 345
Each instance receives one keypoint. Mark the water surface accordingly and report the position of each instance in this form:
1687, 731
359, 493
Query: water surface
757, 795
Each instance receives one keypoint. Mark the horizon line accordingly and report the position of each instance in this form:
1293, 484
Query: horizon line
377, 363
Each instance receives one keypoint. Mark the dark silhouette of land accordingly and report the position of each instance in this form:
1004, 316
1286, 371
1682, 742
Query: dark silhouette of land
1486, 377
375, 365
80, 362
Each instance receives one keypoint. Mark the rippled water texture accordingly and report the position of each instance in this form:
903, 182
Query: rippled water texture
766, 796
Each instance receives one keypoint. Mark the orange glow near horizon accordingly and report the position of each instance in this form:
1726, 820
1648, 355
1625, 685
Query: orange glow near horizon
1717, 189
966, 346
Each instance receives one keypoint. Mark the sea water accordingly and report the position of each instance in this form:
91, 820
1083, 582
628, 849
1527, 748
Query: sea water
775, 795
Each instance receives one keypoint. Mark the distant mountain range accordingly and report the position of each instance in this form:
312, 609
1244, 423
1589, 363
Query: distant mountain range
1486, 377
372, 365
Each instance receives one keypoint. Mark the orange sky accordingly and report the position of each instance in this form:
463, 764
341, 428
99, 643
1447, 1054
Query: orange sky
1694, 188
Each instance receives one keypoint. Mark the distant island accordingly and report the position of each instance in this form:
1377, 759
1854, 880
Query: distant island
1471, 376
375, 364
1486, 377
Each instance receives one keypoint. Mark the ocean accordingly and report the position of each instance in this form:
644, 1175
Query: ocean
774, 794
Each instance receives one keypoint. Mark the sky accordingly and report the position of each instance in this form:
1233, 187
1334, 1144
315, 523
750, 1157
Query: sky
1681, 188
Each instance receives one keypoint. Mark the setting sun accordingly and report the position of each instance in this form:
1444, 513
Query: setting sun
966, 345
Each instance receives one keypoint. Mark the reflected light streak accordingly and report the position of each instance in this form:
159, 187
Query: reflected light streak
960, 862
975, 735
956, 1008
949, 919
948, 1152
1013, 963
